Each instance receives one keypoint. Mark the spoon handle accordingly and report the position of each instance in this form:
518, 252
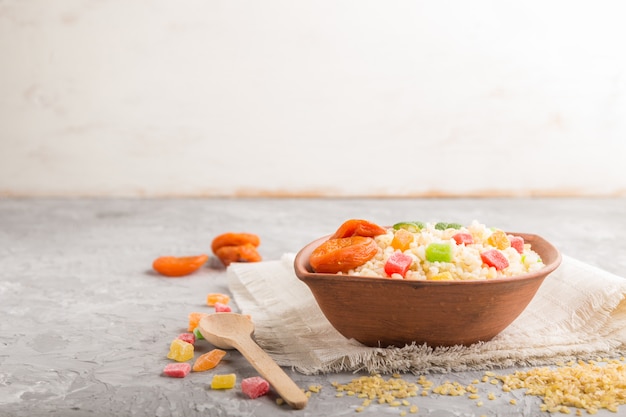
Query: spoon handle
265, 365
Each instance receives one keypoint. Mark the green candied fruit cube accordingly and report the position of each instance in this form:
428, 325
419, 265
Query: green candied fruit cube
444, 226
412, 227
439, 252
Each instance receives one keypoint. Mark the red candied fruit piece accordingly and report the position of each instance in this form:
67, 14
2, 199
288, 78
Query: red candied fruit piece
255, 386
177, 370
463, 238
495, 258
398, 263
187, 337
222, 308
517, 243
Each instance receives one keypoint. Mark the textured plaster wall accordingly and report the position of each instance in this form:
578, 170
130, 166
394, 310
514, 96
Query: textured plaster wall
281, 97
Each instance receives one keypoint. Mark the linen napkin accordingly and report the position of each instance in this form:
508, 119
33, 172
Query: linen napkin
579, 312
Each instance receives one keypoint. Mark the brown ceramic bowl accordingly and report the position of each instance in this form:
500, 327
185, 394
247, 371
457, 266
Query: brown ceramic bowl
389, 312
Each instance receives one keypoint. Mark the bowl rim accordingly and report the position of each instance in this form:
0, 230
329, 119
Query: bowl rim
304, 272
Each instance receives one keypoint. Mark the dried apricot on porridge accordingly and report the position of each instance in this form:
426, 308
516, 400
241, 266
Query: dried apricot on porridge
358, 227
343, 254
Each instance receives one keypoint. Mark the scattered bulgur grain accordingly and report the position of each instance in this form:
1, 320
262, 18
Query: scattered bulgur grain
583, 385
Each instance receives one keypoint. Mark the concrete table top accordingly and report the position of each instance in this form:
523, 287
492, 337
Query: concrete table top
86, 325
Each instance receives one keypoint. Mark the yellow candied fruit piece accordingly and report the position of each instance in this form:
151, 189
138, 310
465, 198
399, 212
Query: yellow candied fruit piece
402, 240
473, 396
215, 297
442, 276
491, 396
512, 401
413, 409
498, 239
224, 381
180, 351
280, 401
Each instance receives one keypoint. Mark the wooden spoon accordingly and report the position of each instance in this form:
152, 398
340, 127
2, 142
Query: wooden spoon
232, 330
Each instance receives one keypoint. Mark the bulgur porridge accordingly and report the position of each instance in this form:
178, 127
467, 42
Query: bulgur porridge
448, 251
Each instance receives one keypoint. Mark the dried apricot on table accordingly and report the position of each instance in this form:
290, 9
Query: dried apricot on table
178, 266
343, 254
234, 239
358, 227
241, 253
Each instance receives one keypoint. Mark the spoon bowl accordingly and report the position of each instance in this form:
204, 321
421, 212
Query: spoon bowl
223, 330
234, 331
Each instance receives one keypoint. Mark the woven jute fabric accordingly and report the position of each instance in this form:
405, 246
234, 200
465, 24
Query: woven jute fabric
579, 312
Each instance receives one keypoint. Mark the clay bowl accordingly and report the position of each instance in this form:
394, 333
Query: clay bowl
388, 312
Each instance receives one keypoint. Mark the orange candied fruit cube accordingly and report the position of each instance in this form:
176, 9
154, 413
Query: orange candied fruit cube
213, 298
402, 240
208, 360
194, 320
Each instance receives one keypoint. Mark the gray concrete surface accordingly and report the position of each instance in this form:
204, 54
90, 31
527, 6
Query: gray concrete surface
85, 325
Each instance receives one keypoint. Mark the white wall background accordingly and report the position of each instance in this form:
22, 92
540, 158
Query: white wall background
313, 97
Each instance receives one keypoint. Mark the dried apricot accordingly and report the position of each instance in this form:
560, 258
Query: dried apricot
358, 227
241, 253
342, 254
234, 239
173, 266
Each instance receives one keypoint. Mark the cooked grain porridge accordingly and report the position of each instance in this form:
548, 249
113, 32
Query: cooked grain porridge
448, 251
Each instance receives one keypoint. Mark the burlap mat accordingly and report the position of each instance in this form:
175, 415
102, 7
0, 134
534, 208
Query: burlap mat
578, 313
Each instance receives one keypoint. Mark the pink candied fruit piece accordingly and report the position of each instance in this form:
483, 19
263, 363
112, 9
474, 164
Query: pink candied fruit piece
398, 263
463, 238
177, 370
187, 337
495, 258
255, 386
222, 308
517, 243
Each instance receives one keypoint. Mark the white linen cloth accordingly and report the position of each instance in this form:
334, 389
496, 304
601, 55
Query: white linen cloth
579, 312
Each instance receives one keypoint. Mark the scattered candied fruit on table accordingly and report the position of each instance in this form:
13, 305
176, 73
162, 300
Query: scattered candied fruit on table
240, 253
342, 254
358, 227
177, 370
255, 386
208, 360
194, 320
180, 350
222, 308
178, 266
187, 337
225, 381
215, 297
